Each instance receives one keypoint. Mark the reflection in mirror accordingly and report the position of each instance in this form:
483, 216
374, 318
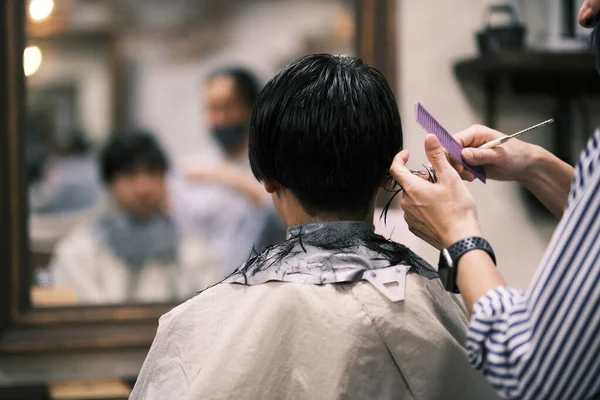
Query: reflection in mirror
140, 189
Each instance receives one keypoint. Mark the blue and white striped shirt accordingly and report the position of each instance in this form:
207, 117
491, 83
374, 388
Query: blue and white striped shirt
544, 343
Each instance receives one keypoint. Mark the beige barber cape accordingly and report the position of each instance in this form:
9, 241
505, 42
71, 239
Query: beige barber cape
282, 340
89, 269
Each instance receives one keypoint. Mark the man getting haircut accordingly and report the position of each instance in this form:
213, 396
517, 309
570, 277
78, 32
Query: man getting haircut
312, 317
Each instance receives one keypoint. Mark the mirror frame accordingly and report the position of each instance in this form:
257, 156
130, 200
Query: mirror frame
24, 329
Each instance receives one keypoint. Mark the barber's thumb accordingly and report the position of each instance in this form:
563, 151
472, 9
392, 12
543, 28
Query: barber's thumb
478, 157
399, 163
398, 168
403, 156
436, 154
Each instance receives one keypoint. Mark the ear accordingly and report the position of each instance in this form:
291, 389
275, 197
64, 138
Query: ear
271, 186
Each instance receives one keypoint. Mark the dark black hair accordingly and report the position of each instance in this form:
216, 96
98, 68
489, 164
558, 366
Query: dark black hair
36, 151
77, 143
326, 128
128, 151
246, 82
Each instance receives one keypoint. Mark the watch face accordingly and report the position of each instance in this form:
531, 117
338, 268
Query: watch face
444, 267
447, 259
443, 272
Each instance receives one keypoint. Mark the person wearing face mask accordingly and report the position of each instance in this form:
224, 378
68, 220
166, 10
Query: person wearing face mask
542, 343
69, 182
222, 201
230, 95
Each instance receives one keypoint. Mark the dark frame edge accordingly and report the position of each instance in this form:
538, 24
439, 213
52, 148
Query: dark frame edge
12, 229
376, 37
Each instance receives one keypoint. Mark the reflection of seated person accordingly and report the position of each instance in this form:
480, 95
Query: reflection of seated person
222, 201
302, 320
70, 181
132, 252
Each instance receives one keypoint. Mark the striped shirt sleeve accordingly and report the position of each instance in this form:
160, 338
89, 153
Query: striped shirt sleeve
544, 343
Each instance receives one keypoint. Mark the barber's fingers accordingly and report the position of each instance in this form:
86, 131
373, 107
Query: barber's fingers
464, 173
476, 135
418, 232
587, 15
437, 156
404, 156
481, 156
402, 174
467, 176
455, 164
398, 168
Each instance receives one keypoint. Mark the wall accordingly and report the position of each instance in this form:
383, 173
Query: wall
432, 36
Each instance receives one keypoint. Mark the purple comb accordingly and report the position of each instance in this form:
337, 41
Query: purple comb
447, 141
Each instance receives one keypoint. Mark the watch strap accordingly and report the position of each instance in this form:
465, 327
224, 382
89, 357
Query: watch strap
463, 246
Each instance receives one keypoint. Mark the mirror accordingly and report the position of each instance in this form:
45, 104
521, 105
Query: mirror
137, 115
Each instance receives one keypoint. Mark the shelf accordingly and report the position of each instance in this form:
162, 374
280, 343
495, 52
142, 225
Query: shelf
529, 72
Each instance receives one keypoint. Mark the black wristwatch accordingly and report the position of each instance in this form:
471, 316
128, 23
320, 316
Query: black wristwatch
447, 266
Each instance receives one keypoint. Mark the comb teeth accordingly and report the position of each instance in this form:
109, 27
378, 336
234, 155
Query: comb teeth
430, 124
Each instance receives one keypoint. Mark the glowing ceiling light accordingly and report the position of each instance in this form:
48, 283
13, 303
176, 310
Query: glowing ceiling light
40, 9
32, 59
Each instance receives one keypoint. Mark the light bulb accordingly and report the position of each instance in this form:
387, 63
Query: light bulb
40, 9
32, 59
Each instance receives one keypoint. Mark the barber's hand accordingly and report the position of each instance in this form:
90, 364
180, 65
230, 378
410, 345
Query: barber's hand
510, 161
223, 173
440, 213
237, 178
200, 174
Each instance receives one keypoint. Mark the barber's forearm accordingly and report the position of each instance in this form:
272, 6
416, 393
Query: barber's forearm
477, 275
549, 179
253, 190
